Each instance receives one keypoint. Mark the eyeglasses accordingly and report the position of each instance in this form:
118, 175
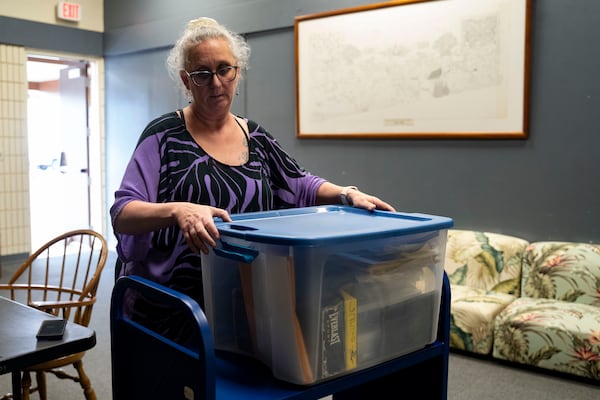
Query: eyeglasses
225, 74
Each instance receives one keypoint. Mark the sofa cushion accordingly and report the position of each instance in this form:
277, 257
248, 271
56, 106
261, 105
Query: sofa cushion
562, 271
484, 260
473, 314
551, 334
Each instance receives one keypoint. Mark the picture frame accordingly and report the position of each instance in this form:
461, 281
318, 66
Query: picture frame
422, 69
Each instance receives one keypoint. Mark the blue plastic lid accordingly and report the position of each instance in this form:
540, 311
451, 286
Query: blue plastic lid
320, 225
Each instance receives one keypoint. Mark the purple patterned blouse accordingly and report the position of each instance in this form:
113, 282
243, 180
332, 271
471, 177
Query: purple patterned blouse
167, 165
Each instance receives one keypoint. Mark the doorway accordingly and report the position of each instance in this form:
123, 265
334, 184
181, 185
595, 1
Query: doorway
59, 146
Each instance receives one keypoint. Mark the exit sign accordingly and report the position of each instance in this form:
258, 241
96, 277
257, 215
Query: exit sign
68, 11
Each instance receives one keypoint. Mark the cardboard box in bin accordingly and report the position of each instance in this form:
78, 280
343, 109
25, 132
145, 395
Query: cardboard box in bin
319, 292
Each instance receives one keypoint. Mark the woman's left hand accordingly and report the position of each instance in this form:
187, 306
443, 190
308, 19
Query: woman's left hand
368, 202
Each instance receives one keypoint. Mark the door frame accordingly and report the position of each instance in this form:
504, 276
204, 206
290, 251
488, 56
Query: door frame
96, 136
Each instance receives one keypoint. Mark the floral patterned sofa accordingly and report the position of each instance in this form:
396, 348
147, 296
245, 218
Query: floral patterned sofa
484, 270
555, 323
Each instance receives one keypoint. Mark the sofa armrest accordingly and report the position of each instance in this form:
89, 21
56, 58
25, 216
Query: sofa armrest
485, 260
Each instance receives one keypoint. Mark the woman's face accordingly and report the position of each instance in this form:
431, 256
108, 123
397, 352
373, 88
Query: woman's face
215, 94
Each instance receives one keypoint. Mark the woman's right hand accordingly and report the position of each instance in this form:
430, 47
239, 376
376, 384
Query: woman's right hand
196, 221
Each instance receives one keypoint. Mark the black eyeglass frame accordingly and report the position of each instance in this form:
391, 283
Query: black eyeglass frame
210, 74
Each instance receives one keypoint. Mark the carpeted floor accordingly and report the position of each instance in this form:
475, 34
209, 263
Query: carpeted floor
469, 378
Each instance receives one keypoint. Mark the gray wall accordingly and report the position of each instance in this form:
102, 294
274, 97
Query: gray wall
544, 187
38, 35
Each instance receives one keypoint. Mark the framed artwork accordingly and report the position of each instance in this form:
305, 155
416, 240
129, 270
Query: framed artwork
414, 69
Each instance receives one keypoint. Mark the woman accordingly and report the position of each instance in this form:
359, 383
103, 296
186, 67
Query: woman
202, 162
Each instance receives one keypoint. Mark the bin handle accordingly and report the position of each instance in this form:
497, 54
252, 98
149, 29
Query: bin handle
236, 252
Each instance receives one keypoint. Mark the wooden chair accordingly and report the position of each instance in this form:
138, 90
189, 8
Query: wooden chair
61, 278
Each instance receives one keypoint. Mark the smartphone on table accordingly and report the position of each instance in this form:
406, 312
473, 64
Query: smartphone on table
52, 329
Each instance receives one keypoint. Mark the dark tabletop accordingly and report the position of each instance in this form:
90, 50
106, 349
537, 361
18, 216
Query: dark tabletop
19, 347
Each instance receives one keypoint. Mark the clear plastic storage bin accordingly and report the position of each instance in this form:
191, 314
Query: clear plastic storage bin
318, 292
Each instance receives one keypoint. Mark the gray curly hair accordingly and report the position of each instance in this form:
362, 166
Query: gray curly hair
196, 31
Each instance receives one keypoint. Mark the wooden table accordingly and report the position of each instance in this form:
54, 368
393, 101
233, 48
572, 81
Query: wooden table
19, 348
